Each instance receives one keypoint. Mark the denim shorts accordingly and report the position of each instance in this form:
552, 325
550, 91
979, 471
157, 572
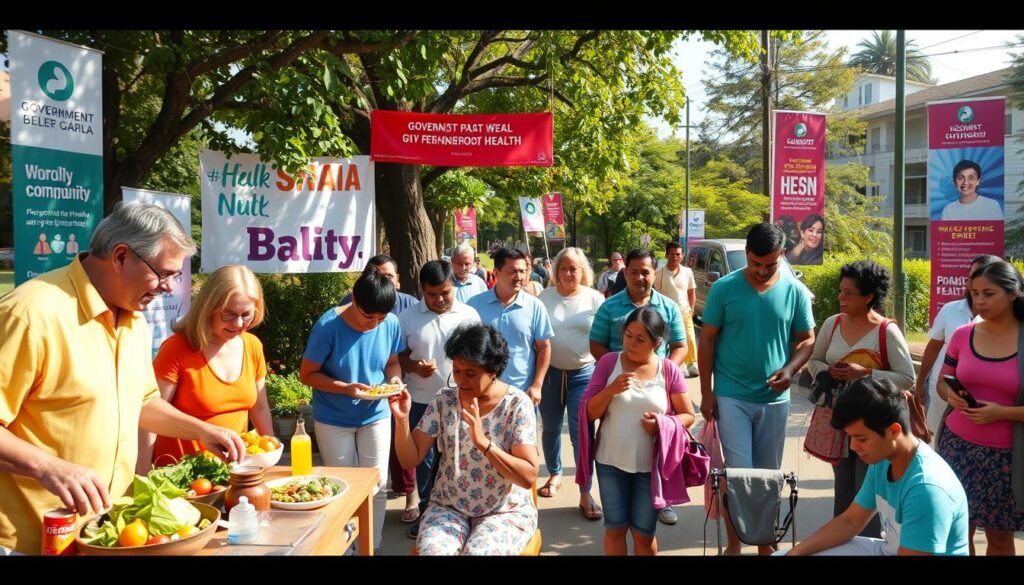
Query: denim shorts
626, 498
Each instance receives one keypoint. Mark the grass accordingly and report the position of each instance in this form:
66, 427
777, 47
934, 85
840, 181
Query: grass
6, 281
917, 337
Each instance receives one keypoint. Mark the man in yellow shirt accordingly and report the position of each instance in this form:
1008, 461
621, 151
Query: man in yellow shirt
76, 379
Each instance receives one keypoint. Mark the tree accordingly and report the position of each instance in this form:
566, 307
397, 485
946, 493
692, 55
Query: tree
878, 55
300, 94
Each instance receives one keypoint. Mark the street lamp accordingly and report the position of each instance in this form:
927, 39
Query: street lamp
686, 213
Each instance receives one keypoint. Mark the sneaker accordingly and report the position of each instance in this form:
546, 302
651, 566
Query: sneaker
668, 516
414, 530
692, 371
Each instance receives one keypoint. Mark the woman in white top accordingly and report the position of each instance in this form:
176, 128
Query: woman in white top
950, 316
862, 289
626, 393
571, 305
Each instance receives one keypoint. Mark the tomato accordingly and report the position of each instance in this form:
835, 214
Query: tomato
158, 539
202, 486
187, 531
135, 534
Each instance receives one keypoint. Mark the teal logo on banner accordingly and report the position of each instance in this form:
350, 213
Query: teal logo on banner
800, 130
56, 81
965, 114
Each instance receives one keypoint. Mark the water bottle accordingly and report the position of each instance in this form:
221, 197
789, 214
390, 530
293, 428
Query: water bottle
243, 523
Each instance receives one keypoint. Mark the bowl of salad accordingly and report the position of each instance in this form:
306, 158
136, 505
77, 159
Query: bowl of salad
202, 476
305, 492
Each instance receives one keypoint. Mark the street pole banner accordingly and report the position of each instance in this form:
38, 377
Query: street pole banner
798, 183
462, 140
465, 226
167, 308
322, 219
966, 191
695, 226
554, 217
56, 150
533, 216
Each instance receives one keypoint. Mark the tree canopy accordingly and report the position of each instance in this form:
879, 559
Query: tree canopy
878, 55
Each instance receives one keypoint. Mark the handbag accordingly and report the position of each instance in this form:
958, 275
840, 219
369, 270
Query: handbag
713, 446
696, 463
822, 440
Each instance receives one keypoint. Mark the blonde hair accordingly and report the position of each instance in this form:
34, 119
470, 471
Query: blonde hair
581, 259
224, 283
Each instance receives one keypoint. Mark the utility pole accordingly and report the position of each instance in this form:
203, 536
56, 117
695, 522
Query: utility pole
766, 98
899, 156
686, 215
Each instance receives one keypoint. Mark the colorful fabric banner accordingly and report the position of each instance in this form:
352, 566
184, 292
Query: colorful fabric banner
321, 220
798, 183
533, 216
167, 308
465, 227
966, 191
56, 150
554, 218
462, 140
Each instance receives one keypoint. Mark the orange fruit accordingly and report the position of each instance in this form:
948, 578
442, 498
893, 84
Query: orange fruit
268, 444
135, 534
187, 531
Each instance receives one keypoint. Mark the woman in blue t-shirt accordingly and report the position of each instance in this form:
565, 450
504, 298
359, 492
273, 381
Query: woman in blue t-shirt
351, 348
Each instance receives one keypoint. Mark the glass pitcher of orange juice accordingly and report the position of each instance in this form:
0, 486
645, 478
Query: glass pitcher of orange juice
302, 450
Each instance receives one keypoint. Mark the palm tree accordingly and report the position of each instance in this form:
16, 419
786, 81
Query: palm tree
878, 55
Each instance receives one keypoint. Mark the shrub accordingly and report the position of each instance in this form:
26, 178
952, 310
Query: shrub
287, 394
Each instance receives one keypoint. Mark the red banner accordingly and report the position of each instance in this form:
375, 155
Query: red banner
798, 184
554, 219
465, 226
462, 140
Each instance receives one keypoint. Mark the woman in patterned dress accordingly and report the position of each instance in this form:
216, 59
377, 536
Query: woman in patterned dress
486, 437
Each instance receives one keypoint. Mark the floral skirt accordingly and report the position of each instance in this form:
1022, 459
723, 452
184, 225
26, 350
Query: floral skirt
985, 475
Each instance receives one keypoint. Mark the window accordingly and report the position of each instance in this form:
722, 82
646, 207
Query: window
715, 263
915, 183
1009, 124
917, 239
867, 94
864, 95
700, 264
876, 140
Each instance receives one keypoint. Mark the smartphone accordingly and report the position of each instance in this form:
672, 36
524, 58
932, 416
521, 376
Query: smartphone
957, 387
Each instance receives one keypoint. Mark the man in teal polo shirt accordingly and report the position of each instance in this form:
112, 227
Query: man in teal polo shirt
758, 332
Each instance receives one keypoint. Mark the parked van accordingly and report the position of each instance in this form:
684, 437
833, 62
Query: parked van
713, 259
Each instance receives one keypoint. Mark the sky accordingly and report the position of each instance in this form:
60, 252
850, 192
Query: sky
954, 55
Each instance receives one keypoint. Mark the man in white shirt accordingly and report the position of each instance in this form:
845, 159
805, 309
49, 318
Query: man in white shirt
607, 278
971, 206
676, 282
426, 327
467, 284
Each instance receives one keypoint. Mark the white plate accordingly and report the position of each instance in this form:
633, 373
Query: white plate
305, 505
389, 394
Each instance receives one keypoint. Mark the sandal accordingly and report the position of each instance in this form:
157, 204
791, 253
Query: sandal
549, 489
410, 515
594, 513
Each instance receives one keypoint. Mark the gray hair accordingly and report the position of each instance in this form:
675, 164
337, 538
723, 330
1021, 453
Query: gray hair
142, 227
587, 278
464, 249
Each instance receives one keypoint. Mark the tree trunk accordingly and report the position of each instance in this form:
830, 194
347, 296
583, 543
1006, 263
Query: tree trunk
438, 216
400, 205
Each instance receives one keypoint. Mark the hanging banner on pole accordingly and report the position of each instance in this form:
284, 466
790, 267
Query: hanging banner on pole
321, 220
798, 183
56, 150
966, 191
462, 140
465, 226
694, 225
167, 308
554, 218
533, 216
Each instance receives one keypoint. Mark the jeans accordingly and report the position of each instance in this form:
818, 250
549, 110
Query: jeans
752, 434
562, 391
627, 500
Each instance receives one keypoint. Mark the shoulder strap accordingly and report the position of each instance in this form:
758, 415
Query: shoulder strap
835, 325
882, 350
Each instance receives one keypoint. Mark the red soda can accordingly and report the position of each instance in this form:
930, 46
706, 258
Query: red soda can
59, 532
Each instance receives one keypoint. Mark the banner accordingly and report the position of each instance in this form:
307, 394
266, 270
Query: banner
465, 226
554, 218
461, 140
966, 191
167, 308
56, 150
533, 217
798, 183
694, 226
321, 220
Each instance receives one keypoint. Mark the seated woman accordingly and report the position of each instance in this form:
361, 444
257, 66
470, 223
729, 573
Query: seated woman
627, 392
486, 435
212, 367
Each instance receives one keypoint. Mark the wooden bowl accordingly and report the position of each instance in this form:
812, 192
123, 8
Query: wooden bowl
184, 547
214, 498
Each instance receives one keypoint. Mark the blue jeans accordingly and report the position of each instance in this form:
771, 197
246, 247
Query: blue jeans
562, 390
423, 469
626, 498
752, 433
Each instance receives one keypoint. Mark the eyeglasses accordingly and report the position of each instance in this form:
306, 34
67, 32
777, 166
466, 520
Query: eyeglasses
161, 278
231, 317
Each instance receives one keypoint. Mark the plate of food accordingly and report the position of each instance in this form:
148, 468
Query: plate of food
378, 391
305, 492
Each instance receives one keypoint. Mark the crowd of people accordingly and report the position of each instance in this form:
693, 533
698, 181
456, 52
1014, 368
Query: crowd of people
481, 358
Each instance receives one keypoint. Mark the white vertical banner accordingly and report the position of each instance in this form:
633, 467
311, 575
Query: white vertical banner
695, 225
168, 307
533, 214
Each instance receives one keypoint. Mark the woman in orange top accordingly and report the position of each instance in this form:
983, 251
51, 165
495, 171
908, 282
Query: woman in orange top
212, 368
